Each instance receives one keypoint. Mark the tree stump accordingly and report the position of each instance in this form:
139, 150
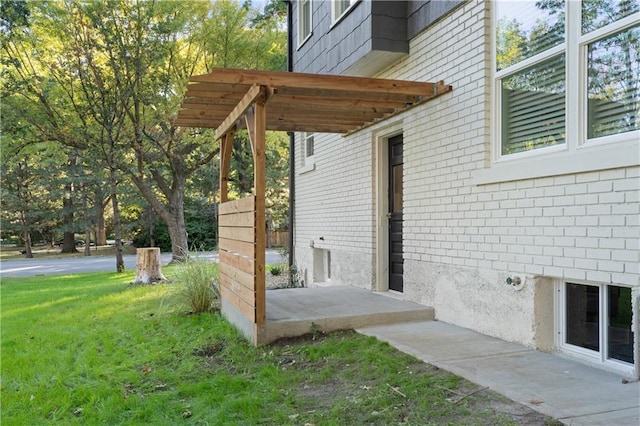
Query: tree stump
148, 266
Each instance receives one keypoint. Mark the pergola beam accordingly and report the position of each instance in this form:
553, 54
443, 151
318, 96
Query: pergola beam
241, 108
318, 81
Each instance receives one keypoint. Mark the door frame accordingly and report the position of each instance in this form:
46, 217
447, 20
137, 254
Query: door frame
381, 172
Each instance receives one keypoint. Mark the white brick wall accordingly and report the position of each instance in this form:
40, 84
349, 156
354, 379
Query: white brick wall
334, 202
462, 240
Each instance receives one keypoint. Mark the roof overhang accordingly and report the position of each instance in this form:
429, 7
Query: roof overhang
297, 101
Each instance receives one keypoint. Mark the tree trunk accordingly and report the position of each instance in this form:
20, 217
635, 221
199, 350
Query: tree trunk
179, 241
101, 233
87, 242
178, 228
28, 253
87, 221
69, 241
116, 222
148, 266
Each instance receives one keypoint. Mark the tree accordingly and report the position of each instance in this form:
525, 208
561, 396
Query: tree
107, 80
27, 208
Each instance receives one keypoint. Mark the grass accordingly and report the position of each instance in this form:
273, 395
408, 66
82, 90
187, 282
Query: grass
90, 349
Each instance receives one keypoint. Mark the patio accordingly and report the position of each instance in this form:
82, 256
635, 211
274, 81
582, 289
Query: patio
298, 311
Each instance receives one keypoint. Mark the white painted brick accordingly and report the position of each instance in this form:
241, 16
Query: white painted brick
575, 274
543, 202
612, 221
586, 264
564, 241
600, 232
588, 177
632, 268
625, 279
564, 201
578, 211
576, 189
600, 186
576, 232
592, 254
610, 266
632, 221
633, 172
599, 276
575, 252
563, 262
611, 243
590, 221
626, 185
612, 174
552, 251
611, 197
586, 199
553, 271
631, 209
587, 242
625, 255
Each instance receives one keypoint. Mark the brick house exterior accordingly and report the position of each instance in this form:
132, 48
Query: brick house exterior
565, 222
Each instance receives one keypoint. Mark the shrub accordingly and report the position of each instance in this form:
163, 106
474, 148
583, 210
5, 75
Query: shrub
198, 285
277, 270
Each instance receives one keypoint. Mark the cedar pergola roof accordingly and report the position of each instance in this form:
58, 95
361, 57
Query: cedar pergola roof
297, 101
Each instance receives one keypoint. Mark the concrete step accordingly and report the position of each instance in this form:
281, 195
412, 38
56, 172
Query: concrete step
299, 311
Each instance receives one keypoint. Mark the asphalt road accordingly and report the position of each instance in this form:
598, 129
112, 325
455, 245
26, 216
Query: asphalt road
76, 265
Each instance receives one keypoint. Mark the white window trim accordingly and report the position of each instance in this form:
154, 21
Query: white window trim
302, 41
336, 19
578, 154
308, 162
586, 355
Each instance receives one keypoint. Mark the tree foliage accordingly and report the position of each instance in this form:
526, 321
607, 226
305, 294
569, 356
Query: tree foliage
105, 80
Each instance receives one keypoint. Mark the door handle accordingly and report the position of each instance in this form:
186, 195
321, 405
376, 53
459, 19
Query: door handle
389, 215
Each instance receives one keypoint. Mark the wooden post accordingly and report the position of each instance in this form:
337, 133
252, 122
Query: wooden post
256, 119
148, 266
226, 145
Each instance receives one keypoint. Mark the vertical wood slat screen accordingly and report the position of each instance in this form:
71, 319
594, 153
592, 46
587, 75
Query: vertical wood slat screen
237, 241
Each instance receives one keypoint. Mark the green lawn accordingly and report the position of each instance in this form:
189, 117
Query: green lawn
90, 349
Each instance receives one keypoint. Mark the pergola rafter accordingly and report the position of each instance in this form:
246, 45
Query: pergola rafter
229, 100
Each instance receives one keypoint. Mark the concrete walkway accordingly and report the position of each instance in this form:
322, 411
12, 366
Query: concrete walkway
564, 389
561, 388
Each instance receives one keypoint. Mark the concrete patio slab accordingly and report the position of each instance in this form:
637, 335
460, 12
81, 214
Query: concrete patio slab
569, 391
298, 311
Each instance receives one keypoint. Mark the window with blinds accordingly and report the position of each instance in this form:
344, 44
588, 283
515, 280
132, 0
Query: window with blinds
613, 88
539, 47
533, 107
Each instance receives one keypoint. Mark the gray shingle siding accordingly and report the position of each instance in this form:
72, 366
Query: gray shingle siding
366, 39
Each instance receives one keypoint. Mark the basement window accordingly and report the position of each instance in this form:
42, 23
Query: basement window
596, 323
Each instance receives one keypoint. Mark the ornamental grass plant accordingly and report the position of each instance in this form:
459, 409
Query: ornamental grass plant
197, 284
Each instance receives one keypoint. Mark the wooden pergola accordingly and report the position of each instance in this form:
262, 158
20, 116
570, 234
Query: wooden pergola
232, 99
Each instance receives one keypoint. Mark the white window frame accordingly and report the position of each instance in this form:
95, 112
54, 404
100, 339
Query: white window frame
337, 14
308, 161
587, 355
577, 154
302, 38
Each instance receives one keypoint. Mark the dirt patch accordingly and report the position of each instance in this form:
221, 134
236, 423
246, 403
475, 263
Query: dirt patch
366, 400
